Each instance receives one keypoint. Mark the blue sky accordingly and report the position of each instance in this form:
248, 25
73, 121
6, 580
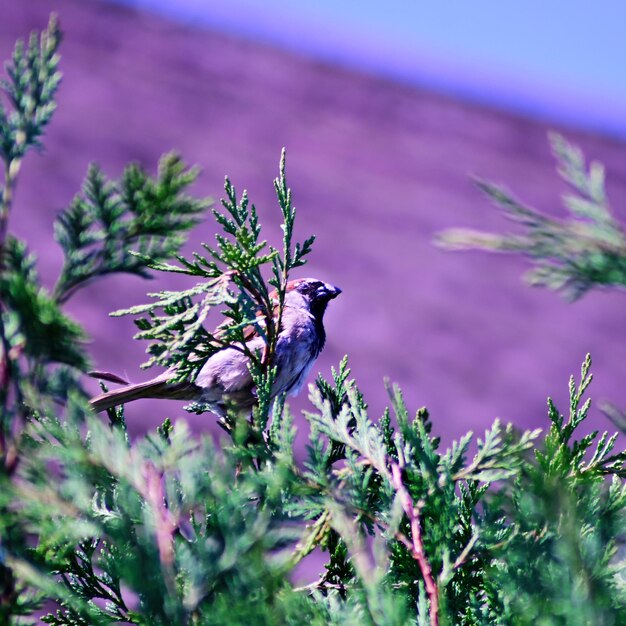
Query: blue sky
563, 60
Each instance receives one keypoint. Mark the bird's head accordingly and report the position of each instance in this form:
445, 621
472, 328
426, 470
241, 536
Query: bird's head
311, 293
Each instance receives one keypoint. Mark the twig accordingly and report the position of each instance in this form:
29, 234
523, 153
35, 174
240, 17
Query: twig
266, 309
417, 546
7, 374
11, 170
8, 432
460, 560
165, 523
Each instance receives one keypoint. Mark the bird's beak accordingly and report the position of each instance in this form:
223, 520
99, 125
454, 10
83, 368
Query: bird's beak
331, 291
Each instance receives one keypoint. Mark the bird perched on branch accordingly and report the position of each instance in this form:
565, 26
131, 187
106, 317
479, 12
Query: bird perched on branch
224, 381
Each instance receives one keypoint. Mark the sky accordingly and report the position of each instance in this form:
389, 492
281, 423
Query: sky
560, 60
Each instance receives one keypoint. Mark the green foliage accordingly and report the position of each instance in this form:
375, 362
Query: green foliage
389, 482
29, 89
516, 529
562, 564
573, 254
32, 82
42, 331
115, 226
41, 349
172, 519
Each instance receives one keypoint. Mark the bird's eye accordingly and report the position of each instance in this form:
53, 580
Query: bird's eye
313, 289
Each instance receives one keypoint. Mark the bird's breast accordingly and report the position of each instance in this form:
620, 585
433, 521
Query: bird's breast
296, 350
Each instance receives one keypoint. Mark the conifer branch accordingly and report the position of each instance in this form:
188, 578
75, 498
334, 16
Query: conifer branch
586, 249
32, 82
126, 225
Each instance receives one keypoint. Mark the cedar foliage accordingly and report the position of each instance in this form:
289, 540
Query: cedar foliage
174, 529
574, 254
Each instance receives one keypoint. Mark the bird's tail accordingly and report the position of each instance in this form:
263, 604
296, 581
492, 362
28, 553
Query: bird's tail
158, 387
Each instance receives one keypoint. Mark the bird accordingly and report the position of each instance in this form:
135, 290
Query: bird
224, 383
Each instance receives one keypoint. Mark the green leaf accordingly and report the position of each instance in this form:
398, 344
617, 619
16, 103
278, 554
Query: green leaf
43, 331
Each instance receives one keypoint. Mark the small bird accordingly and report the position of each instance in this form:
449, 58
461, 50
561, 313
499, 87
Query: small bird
224, 381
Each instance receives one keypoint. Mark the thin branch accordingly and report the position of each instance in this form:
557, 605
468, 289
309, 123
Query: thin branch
8, 449
11, 170
417, 546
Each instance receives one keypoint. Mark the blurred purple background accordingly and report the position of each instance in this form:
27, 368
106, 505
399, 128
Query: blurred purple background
378, 160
